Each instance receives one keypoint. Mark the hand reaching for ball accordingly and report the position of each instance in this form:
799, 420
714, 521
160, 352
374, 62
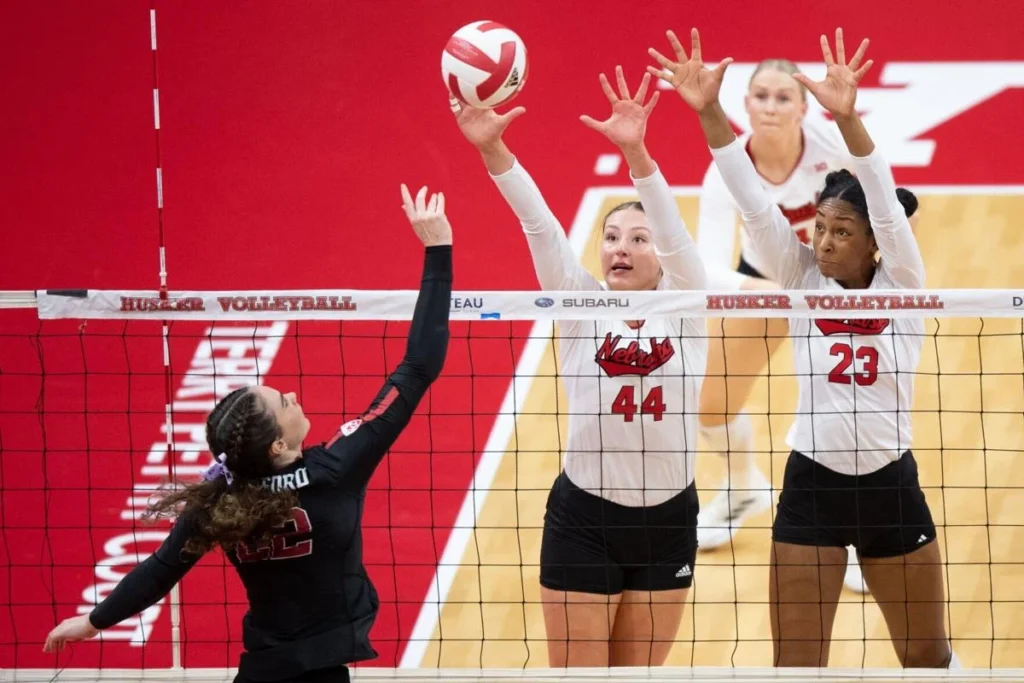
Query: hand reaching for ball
483, 127
484, 66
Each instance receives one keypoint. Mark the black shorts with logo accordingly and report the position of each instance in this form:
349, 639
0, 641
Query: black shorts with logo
592, 545
883, 513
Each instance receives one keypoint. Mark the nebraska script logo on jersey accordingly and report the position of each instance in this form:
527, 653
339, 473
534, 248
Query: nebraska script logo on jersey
632, 360
863, 327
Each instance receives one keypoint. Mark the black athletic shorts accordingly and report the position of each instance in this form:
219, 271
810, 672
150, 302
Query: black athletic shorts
592, 545
744, 268
883, 513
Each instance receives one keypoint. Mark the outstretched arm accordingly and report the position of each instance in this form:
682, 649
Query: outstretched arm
716, 232
768, 229
350, 459
838, 94
626, 127
556, 264
142, 588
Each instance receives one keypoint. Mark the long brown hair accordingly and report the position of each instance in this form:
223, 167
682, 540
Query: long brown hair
242, 428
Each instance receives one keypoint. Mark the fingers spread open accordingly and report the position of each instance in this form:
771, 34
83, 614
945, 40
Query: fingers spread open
826, 52
641, 92
695, 52
607, 88
620, 80
677, 47
653, 101
859, 54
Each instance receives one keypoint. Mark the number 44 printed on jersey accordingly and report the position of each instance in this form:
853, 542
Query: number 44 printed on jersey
619, 361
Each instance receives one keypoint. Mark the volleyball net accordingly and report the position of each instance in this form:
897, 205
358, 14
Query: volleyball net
103, 398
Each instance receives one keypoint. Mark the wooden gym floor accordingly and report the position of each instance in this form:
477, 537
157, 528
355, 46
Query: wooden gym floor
971, 467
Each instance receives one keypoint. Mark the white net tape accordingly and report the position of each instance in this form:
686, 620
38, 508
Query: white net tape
509, 305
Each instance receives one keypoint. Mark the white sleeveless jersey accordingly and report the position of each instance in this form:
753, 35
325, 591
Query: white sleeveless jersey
855, 376
796, 197
633, 394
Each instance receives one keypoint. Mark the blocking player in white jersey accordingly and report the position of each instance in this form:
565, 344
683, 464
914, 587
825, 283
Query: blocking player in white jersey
620, 528
851, 478
792, 157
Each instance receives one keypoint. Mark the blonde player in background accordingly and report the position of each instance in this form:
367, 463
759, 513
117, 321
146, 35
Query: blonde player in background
851, 478
619, 541
792, 158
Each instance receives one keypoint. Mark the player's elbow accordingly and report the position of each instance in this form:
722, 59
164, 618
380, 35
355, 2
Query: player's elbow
432, 367
427, 364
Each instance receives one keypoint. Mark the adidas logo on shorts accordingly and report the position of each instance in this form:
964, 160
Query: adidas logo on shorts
922, 539
684, 572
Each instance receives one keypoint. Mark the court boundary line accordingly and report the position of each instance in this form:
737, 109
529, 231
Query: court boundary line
498, 442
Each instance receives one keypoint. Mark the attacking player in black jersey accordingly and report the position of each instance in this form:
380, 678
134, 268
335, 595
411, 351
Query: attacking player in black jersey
266, 498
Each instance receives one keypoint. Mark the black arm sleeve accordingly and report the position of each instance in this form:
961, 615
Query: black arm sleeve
149, 582
351, 457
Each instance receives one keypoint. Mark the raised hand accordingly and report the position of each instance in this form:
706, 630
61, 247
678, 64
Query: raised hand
71, 630
626, 125
838, 92
695, 83
427, 217
483, 127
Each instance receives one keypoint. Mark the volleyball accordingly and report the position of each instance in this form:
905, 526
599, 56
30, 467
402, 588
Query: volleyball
484, 64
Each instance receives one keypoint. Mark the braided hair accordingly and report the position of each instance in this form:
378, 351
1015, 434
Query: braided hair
223, 512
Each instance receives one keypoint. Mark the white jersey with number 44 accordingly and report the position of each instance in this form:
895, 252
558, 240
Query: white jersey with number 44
632, 393
633, 396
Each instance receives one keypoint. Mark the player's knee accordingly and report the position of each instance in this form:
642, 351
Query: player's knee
927, 654
713, 411
708, 419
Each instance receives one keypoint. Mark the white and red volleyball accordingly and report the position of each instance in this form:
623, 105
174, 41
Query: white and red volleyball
484, 64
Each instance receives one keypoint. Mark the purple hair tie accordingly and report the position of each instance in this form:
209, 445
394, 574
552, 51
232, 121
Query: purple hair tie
218, 469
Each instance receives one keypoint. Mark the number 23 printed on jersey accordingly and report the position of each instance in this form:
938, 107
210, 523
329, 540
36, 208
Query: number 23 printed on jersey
863, 359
